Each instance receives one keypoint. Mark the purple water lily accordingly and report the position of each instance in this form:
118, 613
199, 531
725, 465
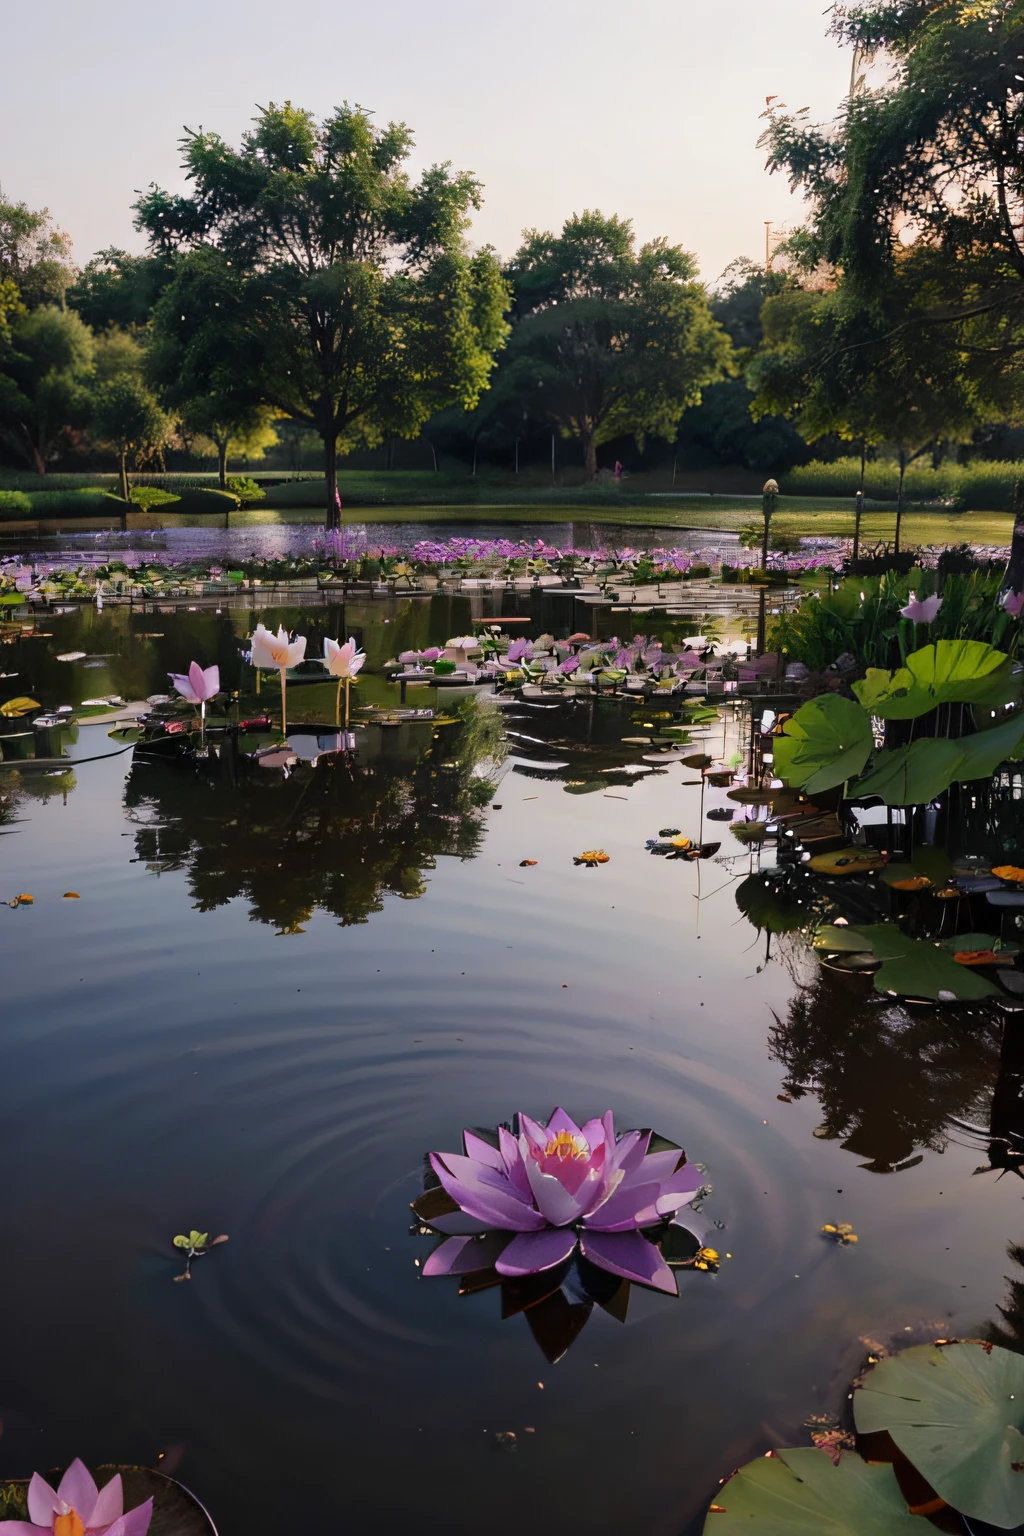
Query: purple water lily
1012, 603
79, 1508
570, 665
921, 610
529, 1203
520, 650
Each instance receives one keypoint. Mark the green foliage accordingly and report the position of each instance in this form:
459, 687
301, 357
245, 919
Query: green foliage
911, 775
34, 255
948, 672
918, 968
245, 488
127, 417
608, 339
45, 379
94, 503
317, 276
15, 504
825, 743
957, 1412
801, 1493
984, 485
118, 290
149, 496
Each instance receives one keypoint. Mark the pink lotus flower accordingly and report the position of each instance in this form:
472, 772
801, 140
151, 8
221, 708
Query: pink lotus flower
198, 685
548, 1190
78, 1508
343, 660
1012, 602
923, 610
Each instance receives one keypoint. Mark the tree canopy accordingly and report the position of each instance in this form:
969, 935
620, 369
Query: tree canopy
316, 271
34, 254
608, 338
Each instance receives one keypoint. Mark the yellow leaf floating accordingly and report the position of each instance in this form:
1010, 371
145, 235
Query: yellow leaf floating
72, 896
706, 1258
592, 857
20, 706
680, 842
847, 861
1009, 872
840, 1232
24, 900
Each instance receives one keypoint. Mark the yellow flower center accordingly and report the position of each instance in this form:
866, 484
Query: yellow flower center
565, 1145
69, 1525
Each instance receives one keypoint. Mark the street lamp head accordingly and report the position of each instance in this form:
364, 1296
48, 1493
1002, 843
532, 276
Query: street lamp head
771, 488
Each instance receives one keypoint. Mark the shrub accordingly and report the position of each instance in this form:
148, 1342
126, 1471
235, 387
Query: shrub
203, 500
149, 496
245, 488
88, 503
15, 504
984, 486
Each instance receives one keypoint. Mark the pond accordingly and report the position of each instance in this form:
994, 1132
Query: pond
275, 994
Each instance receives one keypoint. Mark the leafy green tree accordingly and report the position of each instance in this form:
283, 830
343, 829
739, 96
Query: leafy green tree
227, 422
45, 380
116, 289
343, 293
609, 339
34, 254
126, 417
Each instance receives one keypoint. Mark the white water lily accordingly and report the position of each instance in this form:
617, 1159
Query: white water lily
280, 653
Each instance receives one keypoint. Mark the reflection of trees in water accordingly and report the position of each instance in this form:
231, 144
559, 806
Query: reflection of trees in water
338, 836
888, 1079
17, 786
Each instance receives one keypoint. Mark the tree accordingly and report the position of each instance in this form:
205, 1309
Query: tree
34, 254
127, 417
118, 289
348, 298
226, 421
609, 339
833, 363
45, 378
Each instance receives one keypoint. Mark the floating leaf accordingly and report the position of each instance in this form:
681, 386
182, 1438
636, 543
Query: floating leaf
840, 1232
801, 1493
72, 896
917, 968
527, 863
847, 861
842, 940
825, 743
591, 857
956, 1412
976, 942
19, 706
1009, 872
903, 877
769, 904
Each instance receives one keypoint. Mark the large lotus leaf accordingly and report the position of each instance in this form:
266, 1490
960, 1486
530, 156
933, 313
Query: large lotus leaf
912, 775
948, 672
917, 968
826, 742
957, 1413
840, 940
801, 1493
175, 1511
985, 750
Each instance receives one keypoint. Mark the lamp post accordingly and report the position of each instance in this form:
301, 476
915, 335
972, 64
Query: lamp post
858, 513
768, 494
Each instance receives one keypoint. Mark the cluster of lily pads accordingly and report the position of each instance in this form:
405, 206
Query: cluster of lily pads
938, 1431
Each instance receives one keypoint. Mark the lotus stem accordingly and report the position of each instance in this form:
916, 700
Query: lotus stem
284, 703
257, 682
202, 722
347, 682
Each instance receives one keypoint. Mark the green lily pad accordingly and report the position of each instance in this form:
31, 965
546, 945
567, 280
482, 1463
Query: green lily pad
957, 1413
912, 775
801, 1493
948, 672
917, 968
770, 905
825, 743
982, 753
175, 1511
974, 943
842, 940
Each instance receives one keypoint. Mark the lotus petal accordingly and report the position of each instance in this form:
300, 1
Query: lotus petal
77, 1489
109, 1504
679, 1189
491, 1199
465, 1255
459, 1224
135, 1522
554, 1201
631, 1256
482, 1151
42, 1501
624, 1210
514, 1165
532, 1252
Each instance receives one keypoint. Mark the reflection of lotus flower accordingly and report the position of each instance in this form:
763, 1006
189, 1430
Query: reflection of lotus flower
431, 654
923, 610
553, 1188
343, 660
78, 1508
569, 666
520, 650
198, 685
1012, 602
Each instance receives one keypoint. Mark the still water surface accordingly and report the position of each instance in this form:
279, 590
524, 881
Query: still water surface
245, 1025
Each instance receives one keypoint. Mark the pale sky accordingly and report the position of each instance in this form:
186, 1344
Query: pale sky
644, 108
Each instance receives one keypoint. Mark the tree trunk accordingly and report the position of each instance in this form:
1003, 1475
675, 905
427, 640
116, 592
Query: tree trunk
590, 455
858, 513
675, 461
38, 462
433, 455
332, 516
863, 462
222, 462
122, 461
1013, 581
899, 503
474, 461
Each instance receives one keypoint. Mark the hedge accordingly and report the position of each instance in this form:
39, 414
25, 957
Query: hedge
95, 503
984, 486
203, 499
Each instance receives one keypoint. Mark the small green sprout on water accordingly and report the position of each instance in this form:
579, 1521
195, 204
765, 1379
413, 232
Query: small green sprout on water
195, 1245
